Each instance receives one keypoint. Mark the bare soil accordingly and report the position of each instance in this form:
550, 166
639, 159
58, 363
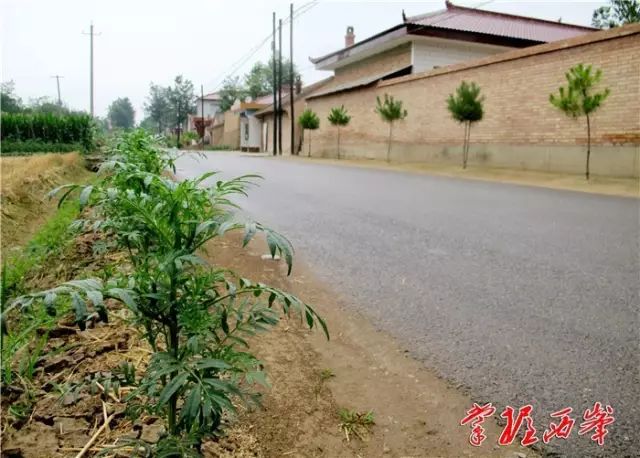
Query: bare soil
416, 414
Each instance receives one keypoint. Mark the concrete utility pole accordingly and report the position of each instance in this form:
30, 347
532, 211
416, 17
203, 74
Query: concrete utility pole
275, 83
202, 111
292, 116
57, 77
91, 35
280, 87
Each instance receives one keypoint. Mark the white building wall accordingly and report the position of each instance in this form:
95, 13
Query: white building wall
250, 132
430, 53
210, 108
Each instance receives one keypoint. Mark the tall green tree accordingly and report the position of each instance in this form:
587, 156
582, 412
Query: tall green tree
157, 106
617, 13
121, 113
466, 107
339, 117
47, 105
9, 102
308, 120
390, 110
579, 98
182, 102
257, 81
232, 89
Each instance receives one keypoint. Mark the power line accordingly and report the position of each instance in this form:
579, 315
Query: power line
253, 51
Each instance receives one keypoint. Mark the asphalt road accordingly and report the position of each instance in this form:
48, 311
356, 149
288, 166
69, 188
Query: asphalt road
518, 294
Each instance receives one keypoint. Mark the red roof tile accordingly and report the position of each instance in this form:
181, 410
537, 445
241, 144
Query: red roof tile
501, 24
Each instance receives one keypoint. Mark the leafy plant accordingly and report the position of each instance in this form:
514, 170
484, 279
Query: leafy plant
390, 111
195, 317
579, 99
48, 128
338, 117
354, 423
308, 120
466, 107
617, 13
121, 113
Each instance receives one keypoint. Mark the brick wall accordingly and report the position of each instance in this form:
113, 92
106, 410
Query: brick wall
521, 129
392, 59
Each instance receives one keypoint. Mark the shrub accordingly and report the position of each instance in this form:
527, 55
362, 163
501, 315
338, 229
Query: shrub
27, 147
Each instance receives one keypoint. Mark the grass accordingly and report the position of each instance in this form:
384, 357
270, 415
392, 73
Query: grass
24, 183
354, 423
326, 374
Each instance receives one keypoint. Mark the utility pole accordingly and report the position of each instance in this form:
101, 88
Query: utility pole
280, 87
275, 83
202, 112
57, 77
91, 35
292, 116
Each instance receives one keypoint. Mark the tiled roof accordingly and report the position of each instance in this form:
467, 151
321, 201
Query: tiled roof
500, 24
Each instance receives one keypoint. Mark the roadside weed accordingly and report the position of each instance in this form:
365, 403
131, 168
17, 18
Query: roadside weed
353, 423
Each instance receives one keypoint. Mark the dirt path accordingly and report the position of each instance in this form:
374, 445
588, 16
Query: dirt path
416, 413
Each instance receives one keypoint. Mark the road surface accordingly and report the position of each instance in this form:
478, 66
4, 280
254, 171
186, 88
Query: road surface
518, 294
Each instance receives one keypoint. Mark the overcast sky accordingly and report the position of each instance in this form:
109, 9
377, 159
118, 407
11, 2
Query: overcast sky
154, 40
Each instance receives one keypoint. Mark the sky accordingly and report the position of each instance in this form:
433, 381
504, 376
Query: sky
144, 41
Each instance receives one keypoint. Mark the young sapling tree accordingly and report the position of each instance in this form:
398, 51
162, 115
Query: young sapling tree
308, 121
466, 107
579, 98
390, 110
338, 117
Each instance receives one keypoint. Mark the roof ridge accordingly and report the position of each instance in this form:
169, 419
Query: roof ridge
424, 15
451, 6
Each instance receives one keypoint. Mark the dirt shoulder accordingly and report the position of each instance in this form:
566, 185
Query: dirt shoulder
416, 413
625, 187
24, 183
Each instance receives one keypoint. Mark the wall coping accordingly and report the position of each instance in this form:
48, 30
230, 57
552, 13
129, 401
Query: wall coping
582, 40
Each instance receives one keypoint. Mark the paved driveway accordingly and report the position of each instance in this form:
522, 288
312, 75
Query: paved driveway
520, 294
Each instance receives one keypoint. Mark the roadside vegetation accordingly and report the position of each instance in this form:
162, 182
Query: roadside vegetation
579, 98
195, 317
391, 111
467, 107
308, 120
339, 117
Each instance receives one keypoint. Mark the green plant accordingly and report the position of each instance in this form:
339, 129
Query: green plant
48, 128
579, 99
466, 107
195, 317
354, 423
308, 120
390, 111
326, 374
338, 117
617, 13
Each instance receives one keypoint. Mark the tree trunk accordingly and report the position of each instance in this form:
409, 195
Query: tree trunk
338, 142
465, 148
389, 145
309, 153
588, 146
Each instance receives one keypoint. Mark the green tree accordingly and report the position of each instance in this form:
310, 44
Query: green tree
390, 110
619, 12
466, 107
310, 121
338, 117
257, 81
10, 103
47, 105
121, 113
232, 89
157, 106
578, 98
181, 102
